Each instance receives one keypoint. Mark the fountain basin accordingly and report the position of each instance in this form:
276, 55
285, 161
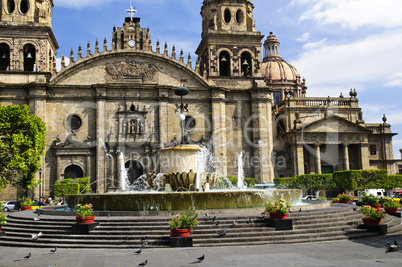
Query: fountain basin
179, 158
161, 201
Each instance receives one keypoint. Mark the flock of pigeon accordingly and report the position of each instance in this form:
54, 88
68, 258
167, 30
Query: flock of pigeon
390, 247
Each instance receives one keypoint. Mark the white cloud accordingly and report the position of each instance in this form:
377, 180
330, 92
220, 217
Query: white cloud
334, 62
353, 14
394, 80
304, 38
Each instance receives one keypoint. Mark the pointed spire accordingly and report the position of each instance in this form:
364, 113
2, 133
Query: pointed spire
158, 48
166, 49
88, 49
174, 52
96, 46
189, 61
79, 52
182, 56
105, 45
71, 56
63, 62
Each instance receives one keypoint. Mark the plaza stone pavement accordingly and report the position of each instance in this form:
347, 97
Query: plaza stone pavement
362, 252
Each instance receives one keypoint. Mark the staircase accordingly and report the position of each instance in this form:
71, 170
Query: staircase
335, 223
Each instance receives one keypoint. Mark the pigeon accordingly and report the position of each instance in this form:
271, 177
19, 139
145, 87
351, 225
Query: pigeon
53, 250
145, 238
36, 237
138, 252
36, 219
214, 219
201, 259
250, 221
392, 248
234, 223
262, 213
262, 217
144, 243
222, 233
217, 223
207, 215
27, 257
300, 209
143, 263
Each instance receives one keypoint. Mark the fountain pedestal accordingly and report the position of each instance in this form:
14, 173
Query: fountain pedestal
179, 159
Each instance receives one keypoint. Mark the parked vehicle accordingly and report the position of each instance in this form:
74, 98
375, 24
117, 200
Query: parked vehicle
309, 197
11, 205
380, 193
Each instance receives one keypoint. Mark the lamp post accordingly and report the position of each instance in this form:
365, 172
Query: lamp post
181, 91
40, 184
288, 94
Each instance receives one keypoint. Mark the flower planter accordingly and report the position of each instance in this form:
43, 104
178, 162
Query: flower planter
88, 219
391, 210
344, 201
26, 208
180, 232
377, 206
279, 216
371, 221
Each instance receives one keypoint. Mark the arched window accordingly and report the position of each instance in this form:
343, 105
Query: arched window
246, 66
29, 57
4, 57
122, 40
224, 64
24, 6
10, 6
73, 171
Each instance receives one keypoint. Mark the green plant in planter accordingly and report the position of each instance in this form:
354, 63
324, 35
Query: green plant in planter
184, 220
368, 200
3, 219
345, 197
372, 213
390, 204
281, 206
25, 202
84, 210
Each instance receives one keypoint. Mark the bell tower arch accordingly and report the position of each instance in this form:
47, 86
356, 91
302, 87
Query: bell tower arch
26, 36
229, 25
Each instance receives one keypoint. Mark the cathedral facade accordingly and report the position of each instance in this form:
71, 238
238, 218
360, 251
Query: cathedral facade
115, 109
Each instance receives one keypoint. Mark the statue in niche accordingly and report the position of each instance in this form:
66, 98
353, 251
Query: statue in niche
140, 128
133, 127
124, 128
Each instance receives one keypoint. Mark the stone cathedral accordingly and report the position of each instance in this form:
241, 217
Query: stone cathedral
114, 108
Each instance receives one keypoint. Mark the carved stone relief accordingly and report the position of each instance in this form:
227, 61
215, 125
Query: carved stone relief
129, 72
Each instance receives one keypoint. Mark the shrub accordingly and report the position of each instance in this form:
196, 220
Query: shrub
184, 220
250, 182
288, 182
60, 190
25, 202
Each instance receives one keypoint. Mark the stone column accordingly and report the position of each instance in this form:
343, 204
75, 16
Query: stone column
219, 130
364, 155
37, 107
58, 170
100, 135
345, 157
317, 159
261, 109
300, 159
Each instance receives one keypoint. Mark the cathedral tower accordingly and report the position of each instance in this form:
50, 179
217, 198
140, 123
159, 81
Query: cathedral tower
27, 42
230, 45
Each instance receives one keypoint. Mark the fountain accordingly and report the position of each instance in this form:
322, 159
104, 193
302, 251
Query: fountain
186, 182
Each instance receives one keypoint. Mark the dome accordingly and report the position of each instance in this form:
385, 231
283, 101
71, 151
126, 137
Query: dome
273, 66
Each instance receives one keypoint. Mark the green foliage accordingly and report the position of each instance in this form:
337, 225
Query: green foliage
71, 187
388, 203
22, 143
281, 206
250, 182
83, 210
393, 181
361, 179
316, 182
288, 182
369, 200
3, 219
370, 212
184, 220
25, 202
62, 189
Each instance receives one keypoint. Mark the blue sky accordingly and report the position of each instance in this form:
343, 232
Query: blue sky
335, 44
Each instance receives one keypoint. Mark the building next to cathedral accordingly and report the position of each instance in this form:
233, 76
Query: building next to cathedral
114, 109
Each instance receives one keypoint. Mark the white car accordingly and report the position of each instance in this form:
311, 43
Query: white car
309, 197
11, 205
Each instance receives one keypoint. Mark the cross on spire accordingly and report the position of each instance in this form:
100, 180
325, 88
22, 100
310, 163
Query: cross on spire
131, 11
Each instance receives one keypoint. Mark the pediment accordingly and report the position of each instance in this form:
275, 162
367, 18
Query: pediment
334, 124
72, 145
128, 68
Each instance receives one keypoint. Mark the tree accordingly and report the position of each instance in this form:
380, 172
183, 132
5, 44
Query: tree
316, 182
22, 143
